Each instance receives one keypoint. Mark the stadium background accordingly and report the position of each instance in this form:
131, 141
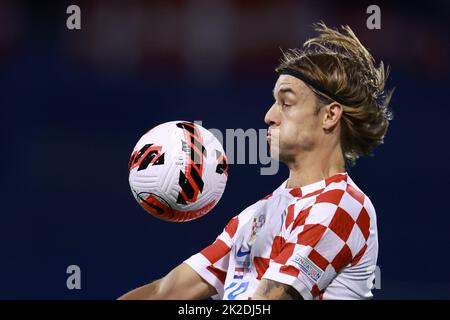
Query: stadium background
74, 103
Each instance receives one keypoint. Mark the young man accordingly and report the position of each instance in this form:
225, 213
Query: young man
314, 237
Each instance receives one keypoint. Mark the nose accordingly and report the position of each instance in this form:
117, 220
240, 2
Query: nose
272, 117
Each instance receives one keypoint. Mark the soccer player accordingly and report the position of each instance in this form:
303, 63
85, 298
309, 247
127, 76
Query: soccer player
315, 236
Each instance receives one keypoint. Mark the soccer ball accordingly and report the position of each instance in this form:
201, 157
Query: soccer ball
178, 171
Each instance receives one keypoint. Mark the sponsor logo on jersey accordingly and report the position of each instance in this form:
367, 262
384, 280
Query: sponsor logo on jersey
241, 253
307, 267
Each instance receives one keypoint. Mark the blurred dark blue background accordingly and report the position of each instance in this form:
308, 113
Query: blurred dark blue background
74, 103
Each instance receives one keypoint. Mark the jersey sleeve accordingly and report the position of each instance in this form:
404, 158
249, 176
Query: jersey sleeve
318, 241
212, 262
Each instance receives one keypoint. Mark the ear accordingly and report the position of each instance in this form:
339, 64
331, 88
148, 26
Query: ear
332, 113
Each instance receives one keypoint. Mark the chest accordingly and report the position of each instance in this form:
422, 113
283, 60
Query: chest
257, 232
253, 243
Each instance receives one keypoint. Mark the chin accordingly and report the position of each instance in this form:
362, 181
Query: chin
286, 156
286, 159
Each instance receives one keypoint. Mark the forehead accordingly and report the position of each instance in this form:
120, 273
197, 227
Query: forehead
287, 81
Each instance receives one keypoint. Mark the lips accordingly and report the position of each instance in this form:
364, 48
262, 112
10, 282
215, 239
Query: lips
269, 134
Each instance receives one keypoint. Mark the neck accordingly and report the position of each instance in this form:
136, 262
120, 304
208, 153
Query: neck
315, 167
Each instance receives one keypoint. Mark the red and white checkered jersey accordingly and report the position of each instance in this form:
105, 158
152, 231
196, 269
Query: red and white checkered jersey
321, 239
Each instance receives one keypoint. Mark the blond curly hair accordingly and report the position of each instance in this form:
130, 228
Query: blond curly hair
341, 65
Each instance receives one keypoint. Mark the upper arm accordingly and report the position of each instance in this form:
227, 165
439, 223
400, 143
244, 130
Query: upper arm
184, 283
273, 290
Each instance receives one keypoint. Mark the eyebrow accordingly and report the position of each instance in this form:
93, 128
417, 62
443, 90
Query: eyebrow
284, 90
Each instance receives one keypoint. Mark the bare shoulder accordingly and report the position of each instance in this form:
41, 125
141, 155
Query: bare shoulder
273, 290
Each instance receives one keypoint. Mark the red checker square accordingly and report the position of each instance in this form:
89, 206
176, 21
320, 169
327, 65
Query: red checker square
232, 227
315, 291
277, 245
342, 224
290, 270
289, 216
357, 195
301, 218
261, 265
286, 253
318, 260
363, 223
343, 258
219, 274
215, 251
335, 178
311, 234
359, 255
331, 196
296, 192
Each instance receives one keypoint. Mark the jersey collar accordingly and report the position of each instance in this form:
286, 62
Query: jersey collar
315, 186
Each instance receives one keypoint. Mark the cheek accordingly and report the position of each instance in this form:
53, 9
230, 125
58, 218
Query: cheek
290, 133
298, 133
